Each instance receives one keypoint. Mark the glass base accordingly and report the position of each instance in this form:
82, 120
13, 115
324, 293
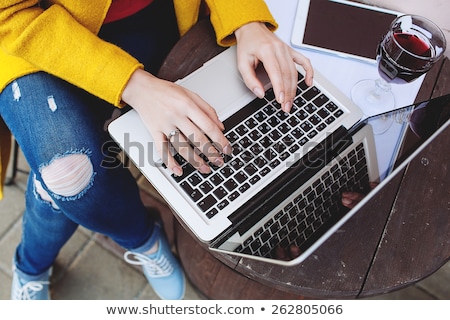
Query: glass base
373, 96
382, 124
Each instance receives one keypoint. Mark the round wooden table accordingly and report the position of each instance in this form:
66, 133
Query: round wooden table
401, 236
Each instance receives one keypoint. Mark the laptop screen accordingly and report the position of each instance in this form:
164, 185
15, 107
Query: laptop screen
368, 155
400, 132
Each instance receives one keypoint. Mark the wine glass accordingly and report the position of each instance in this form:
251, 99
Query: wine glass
412, 45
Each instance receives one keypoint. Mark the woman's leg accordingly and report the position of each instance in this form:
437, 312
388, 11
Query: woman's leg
61, 132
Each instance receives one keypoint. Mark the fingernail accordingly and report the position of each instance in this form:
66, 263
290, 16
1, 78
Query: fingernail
288, 106
204, 169
281, 97
177, 171
228, 149
258, 93
218, 162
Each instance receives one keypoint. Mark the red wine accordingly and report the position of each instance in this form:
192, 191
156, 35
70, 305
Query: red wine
413, 44
403, 59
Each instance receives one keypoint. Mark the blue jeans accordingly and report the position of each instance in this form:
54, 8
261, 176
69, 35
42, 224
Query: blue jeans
54, 121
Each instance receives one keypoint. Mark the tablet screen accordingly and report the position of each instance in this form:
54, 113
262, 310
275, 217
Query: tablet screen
345, 28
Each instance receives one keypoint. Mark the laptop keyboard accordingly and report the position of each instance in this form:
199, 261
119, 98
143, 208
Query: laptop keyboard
307, 214
263, 138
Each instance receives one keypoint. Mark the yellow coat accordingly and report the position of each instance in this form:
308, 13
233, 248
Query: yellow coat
59, 37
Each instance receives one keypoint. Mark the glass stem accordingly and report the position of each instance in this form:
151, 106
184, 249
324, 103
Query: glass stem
381, 87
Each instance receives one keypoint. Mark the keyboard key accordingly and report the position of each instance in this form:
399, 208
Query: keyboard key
306, 126
260, 116
273, 121
226, 171
230, 185
245, 142
270, 95
332, 107
244, 187
254, 179
216, 179
240, 177
310, 108
250, 169
255, 135
195, 179
302, 85
233, 196
237, 163
207, 203
275, 135
223, 204
206, 187
293, 121
241, 130
251, 123
212, 213
321, 100
315, 120
260, 162
220, 193
311, 93
323, 113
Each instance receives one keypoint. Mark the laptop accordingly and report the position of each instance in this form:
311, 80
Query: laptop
281, 187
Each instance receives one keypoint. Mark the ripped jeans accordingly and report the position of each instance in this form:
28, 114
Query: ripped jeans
61, 130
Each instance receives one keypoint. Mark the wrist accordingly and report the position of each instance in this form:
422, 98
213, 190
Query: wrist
133, 86
249, 27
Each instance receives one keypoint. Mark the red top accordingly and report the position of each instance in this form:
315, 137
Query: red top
124, 8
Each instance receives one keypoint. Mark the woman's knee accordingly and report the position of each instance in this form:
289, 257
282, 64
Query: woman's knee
68, 177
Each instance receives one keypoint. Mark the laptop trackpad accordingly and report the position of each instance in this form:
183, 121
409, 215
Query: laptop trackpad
219, 84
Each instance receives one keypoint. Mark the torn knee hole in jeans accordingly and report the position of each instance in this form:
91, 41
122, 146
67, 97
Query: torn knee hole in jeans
44, 194
68, 177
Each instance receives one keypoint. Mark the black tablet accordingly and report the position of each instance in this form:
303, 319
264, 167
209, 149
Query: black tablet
340, 27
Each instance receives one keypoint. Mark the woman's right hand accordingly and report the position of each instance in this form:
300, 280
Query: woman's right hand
166, 107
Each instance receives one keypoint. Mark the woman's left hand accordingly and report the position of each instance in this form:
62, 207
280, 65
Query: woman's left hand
257, 44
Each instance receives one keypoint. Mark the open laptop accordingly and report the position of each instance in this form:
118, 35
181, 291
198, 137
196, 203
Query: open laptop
264, 191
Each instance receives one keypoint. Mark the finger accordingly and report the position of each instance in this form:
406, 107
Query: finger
353, 195
373, 185
294, 251
281, 253
183, 146
305, 63
196, 138
247, 69
207, 109
201, 130
163, 147
351, 199
282, 73
349, 203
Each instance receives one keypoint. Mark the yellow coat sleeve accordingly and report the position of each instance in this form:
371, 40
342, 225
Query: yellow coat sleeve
228, 15
52, 40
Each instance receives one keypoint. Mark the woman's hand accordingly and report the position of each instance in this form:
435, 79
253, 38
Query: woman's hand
166, 107
350, 199
255, 44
